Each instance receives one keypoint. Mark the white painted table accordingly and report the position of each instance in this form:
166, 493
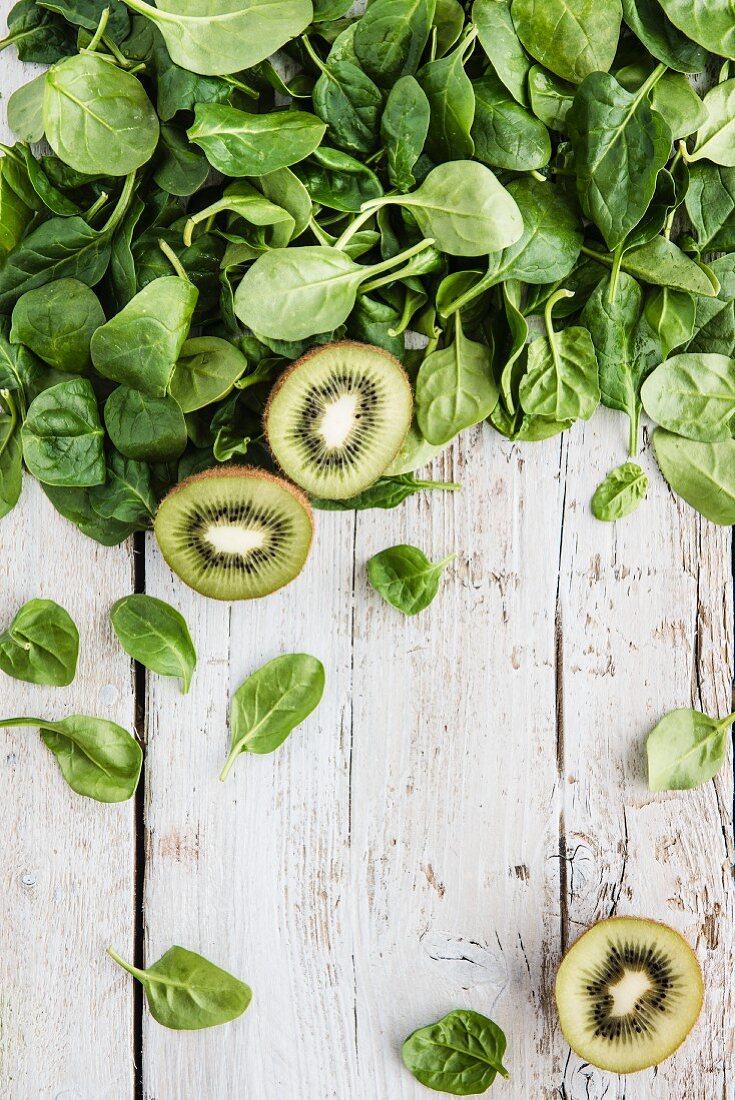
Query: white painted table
468, 797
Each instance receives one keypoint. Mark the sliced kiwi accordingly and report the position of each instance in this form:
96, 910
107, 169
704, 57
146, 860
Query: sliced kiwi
629, 992
235, 533
337, 418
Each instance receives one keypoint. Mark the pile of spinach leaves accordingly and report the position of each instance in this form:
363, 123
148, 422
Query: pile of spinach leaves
535, 189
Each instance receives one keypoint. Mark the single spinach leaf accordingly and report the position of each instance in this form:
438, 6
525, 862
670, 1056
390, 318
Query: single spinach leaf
127, 495
405, 577
661, 38
156, 635
11, 458
62, 436
97, 117
214, 38
149, 429
562, 378
388, 492
98, 758
272, 702
620, 493
693, 395
573, 38
335, 179
41, 645
240, 144
139, 346
391, 36
703, 474
502, 46
710, 204
462, 1054
38, 34
451, 103
348, 101
455, 388
686, 749
672, 317
620, 145
205, 372
56, 322
403, 129
25, 109
707, 22
181, 169
716, 136
505, 134
551, 98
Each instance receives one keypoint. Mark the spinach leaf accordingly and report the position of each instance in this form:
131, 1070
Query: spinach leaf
710, 204
562, 378
127, 495
41, 645
98, 758
462, 1054
686, 749
707, 22
240, 144
620, 145
335, 179
714, 321
149, 429
573, 38
205, 372
156, 635
348, 101
391, 36
140, 345
272, 702
25, 109
11, 457
672, 317
405, 577
716, 137
693, 395
181, 169
505, 134
502, 46
62, 436
388, 492
38, 34
672, 97
403, 129
56, 322
15, 214
216, 39
455, 388
551, 98
186, 992
620, 493
97, 117
451, 103
703, 474
75, 505
661, 38
626, 346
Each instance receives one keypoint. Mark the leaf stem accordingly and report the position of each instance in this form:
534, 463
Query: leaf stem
125, 965
312, 53
635, 422
389, 264
232, 757
96, 207
101, 26
615, 273
121, 205
355, 225
173, 259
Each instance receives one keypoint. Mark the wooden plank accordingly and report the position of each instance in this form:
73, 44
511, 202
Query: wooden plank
645, 618
254, 873
67, 862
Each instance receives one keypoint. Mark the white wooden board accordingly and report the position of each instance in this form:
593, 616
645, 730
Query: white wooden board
468, 797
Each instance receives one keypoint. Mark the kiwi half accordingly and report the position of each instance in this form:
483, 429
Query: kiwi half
337, 418
235, 533
629, 992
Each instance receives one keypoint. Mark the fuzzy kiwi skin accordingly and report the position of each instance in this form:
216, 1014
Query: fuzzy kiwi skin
248, 472
318, 349
651, 923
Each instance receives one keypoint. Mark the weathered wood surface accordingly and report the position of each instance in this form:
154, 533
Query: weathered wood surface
468, 797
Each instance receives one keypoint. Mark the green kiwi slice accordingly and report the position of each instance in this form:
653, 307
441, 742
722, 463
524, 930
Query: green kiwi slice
629, 992
337, 418
235, 533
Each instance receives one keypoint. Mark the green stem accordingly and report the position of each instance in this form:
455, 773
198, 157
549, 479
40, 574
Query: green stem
233, 755
538, 176
321, 235
241, 86
601, 257
96, 207
355, 225
652, 81
125, 965
97, 36
312, 53
173, 259
393, 261
615, 274
727, 721
446, 486
121, 205
549, 309
445, 561
634, 421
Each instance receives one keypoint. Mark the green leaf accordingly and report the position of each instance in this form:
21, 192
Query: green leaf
139, 346
41, 645
708, 22
149, 429
25, 110
462, 1054
186, 992
710, 204
661, 38
181, 169
240, 144
562, 378
551, 98
56, 322
686, 749
405, 577
455, 388
75, 505
573, 38
205, 372
272, 702
693, 395
403, 129
388, 492
127, 495
703, 474
620, 493
220, 38
505, 134
348, 101
62, 436
502, 46
156, 635
98, 758
391, 36
620, 145
97, 117
11, 462
716, 137
452, 104
672, 316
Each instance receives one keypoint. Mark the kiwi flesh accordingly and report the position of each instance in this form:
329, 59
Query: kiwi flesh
235, 533
337, 417
629, 992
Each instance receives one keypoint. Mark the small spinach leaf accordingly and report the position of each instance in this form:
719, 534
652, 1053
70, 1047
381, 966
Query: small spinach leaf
462, 1054
149, 429
620, 493
56, 322
405, 577
156, 635
41, 645
686, 749
62, 436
